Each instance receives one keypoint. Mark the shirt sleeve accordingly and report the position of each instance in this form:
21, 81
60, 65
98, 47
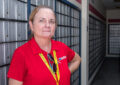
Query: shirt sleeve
70, 53
17, 67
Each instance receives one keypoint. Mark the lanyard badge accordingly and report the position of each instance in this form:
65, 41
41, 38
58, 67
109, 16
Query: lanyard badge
57, 78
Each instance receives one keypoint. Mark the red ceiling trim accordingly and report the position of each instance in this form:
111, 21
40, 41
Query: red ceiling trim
79, 1
97, 13
113, 20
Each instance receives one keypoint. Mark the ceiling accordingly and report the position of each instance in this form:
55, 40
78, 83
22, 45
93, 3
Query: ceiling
111, 4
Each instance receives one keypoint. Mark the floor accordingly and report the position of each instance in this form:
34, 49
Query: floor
109, 73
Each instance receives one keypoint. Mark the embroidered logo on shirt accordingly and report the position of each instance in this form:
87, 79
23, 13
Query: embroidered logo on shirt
61, 58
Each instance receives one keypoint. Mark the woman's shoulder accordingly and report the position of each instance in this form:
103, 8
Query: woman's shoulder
23, 48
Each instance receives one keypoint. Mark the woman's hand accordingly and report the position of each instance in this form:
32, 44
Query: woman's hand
74, 64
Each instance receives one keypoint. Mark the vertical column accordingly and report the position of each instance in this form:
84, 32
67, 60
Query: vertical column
84, 51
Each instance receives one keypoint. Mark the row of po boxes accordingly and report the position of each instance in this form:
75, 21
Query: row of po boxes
3, 75
13, 31
13, 9
7, 50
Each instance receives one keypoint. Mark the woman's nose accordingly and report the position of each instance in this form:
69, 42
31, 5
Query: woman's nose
47, 24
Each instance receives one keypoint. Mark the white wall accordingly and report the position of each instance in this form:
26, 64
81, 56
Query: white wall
98, 5
84, 42
113, 14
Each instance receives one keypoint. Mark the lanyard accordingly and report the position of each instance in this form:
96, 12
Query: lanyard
57, 78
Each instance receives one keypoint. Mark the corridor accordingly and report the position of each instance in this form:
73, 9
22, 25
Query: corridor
109, 73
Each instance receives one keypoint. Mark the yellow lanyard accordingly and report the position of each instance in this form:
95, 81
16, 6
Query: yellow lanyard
50, 69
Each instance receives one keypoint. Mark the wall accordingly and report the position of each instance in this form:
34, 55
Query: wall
13, 32
96, 26
113, 17
99, 8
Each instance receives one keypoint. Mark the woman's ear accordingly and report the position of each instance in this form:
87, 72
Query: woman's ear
31, 25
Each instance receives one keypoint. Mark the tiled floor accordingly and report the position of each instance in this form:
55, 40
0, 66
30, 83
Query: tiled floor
109, 73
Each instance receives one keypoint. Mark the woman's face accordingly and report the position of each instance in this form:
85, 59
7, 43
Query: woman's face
43, 24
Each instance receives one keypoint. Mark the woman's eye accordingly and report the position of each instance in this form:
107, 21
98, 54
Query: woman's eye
41, 20
52, 22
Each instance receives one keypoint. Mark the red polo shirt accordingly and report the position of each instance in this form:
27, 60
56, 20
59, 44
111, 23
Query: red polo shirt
28, 67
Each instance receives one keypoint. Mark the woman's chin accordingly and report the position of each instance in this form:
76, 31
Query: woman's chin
47, 36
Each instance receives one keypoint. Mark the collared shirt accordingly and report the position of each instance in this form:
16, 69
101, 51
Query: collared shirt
27, 66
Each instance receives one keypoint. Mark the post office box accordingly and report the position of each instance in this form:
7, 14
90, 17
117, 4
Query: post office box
20, 43
19, 10
3, 76
59, 19
68, 41
6, 8
24, 31
68, 10
62, 32
68, 21
65, 41
45, 2
34, 2
58, 6
2, 54
57, 32
6, 32
76, 82
19, 27
51, 3
12, 9
40, 2
2, 31
24, 11
71, 80
68, 29
7, 68
12, 49
76, 74
12, 31
7, 53
63, 8
1, 8
63, 20
32, 8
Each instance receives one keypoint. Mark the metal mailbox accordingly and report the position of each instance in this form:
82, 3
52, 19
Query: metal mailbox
12, 31
2, 54
3, 76
1, 8
1, 31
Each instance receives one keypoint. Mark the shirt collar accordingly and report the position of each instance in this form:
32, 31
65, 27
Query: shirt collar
36, 49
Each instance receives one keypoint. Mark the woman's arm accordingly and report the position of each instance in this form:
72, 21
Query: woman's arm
14, 82
74, 64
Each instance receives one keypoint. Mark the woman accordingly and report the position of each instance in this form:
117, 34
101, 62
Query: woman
42, 61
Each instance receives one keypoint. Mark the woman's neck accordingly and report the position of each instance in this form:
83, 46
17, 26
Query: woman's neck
44, 43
